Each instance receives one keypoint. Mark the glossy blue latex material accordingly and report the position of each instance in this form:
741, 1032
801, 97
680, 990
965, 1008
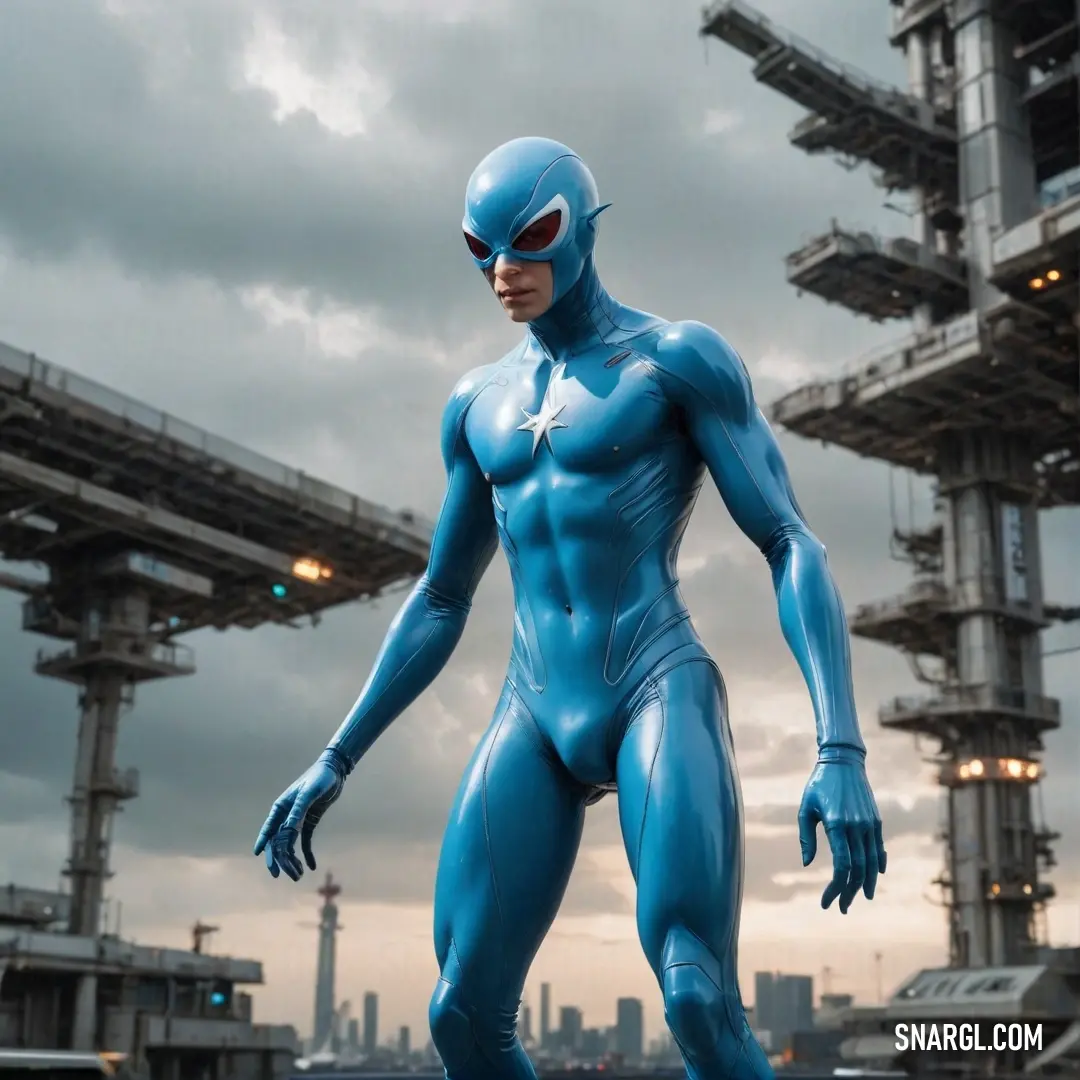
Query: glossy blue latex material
521, 181
581, 454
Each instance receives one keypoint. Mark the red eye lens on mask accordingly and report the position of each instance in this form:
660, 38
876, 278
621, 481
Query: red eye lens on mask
479, 249
540, 233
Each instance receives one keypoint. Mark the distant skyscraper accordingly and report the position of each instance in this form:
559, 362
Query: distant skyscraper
783, 1005
630, 1029
371, 1022
352, 1034
570, 1025
404, 1041
763, 999
325, 970
593, 1044
525, 1025
545, 1014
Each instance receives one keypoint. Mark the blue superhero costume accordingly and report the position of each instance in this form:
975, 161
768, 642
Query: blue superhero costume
582, 453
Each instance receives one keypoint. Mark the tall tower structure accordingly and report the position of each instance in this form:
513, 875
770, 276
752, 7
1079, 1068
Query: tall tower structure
112, 603
981, 395
545, 1015
325, 974
371, 1022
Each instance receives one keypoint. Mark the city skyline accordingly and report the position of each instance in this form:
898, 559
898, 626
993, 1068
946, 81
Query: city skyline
250, 218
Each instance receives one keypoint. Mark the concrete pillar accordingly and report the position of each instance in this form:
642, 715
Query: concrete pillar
84, 1026
111, 624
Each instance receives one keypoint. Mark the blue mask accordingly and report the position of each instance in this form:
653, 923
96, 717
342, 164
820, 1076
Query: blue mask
533, 200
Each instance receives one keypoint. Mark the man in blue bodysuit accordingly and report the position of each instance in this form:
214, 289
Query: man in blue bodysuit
583, 451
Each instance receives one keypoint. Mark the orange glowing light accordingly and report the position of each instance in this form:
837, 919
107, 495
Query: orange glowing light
310, 570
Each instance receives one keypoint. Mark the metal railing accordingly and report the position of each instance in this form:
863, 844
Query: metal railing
170, 654
961, 699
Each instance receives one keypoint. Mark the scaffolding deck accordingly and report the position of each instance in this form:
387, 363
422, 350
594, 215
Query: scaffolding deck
852, 114
882, 279
953, 377
1047, 244
86, 473
922, 620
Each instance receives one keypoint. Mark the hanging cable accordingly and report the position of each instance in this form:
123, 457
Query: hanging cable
1061, 652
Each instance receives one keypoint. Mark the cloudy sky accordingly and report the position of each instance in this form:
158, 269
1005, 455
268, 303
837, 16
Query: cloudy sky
247, 213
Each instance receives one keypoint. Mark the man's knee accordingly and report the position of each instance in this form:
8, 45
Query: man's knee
698, 1012
451, 1026
460, 1026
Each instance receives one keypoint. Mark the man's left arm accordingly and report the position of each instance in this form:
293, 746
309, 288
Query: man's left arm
708, 382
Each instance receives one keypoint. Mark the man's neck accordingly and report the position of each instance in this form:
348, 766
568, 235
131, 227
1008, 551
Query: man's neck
578, 320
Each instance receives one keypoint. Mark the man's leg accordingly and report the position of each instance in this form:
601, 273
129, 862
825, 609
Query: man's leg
506, 859
681, 813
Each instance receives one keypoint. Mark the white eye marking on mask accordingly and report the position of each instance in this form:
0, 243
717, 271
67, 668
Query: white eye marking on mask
558, 205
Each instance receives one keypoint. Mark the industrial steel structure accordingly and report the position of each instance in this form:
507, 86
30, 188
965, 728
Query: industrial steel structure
981, 395
148, 528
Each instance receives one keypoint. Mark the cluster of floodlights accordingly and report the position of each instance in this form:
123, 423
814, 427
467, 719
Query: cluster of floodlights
1051, 277
996, 891
1017, 769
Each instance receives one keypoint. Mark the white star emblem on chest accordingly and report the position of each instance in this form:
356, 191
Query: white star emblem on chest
545, 420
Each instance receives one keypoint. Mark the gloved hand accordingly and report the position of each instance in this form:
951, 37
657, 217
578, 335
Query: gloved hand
296, 813
838, 796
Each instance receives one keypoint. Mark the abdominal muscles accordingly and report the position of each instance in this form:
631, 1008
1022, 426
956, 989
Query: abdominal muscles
593, 566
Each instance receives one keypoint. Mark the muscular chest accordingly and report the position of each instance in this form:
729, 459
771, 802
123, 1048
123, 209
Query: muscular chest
590, 415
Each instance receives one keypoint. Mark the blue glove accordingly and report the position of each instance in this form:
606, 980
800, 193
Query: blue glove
838, 796
296, 813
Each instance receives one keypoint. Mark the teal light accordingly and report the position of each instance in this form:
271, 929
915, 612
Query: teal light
279, 590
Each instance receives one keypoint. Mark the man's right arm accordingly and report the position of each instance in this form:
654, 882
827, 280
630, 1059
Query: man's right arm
429, 625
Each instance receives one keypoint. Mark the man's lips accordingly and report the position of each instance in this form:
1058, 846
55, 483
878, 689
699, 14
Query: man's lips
514, 294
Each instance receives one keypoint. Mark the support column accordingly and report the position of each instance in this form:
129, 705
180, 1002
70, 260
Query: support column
993, 563
84, 1026
919, 81
997, 171
111, 626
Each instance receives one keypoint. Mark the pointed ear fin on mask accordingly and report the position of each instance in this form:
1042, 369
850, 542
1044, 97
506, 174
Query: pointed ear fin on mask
597, 212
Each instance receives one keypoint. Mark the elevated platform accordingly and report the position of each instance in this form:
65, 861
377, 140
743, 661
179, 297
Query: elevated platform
922, 620
1037, 261
46, 951
88, 474
169, 1012
1054, 108
970, 707
1031, 993
853, 115
137, 661
32, 908
954, 376
883, 279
